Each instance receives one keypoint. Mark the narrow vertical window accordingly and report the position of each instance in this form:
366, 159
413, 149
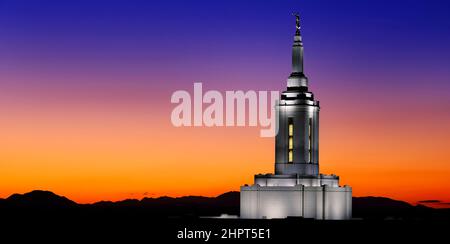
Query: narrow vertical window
291, 127
290, 140
310, 139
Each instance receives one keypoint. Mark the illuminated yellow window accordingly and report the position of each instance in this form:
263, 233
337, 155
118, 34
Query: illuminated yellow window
290, 140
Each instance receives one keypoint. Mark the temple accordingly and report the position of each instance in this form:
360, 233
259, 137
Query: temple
297, 188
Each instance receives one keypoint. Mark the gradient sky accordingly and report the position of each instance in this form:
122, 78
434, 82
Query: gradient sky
85, 92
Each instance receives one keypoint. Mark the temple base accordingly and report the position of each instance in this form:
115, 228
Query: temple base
281, 196
317, 202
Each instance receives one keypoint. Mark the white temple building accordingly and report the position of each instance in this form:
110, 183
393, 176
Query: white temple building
297, 188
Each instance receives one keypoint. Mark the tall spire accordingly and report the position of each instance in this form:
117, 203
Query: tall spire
297, 77
297, 24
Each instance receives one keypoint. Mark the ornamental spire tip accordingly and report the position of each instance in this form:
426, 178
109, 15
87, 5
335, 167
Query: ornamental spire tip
297, 23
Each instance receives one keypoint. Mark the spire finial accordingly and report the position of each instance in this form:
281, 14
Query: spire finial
297, 77
297, 23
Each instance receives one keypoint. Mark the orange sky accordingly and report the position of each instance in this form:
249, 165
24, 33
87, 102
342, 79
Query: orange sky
85, 93
110, 150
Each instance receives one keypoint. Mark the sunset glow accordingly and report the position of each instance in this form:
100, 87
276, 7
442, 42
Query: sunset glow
85, 105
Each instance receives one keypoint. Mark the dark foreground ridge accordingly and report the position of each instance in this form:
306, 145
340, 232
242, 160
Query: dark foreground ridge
50, 215
379, 208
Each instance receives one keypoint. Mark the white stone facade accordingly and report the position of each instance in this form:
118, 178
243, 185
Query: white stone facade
318, 202
297, 188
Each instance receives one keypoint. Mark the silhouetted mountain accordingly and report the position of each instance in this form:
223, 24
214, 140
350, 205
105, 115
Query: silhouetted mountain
49, 215
381, 208
231, 197
194, 206
37, 199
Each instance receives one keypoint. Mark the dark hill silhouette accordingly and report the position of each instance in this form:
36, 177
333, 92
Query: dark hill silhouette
194, 206
52, 217
382, 208
38, 199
